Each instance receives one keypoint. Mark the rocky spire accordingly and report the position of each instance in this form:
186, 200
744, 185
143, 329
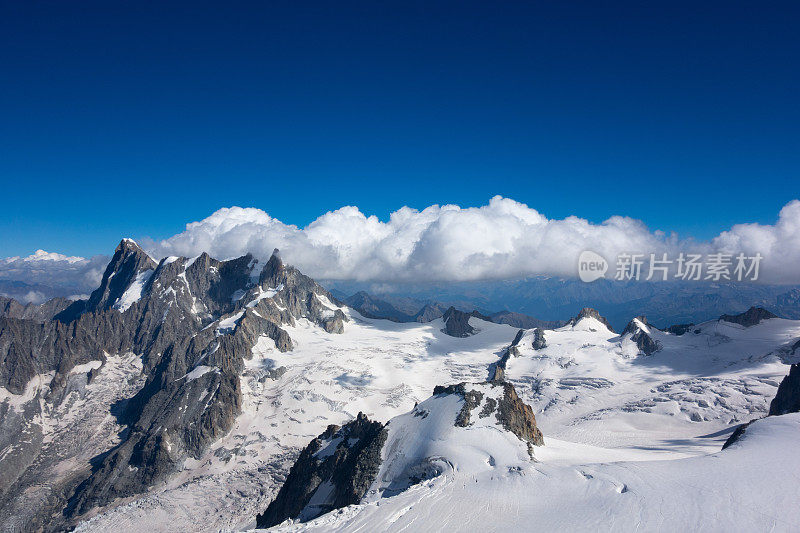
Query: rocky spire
272, 269
129, 261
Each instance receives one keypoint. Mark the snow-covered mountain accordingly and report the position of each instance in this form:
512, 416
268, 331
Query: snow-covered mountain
181, 393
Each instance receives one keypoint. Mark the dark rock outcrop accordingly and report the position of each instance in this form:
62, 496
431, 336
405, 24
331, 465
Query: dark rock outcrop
456, 323
679, 329
588, 312
342, 462
517, 417
335, 323
512, 413
539, 341
497, 371
644, 341
751, 317
787, 399
737, 434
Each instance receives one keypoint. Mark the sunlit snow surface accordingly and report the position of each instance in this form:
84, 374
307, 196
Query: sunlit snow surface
631, 441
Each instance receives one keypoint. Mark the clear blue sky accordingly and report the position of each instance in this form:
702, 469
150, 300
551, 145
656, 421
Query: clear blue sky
133, 118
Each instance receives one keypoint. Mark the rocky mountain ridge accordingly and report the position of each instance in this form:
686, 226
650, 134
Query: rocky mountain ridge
193, 322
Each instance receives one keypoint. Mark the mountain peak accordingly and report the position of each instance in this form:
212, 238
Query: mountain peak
273, 267
588, 312
456, 323
751, 317
638, 331
129, 261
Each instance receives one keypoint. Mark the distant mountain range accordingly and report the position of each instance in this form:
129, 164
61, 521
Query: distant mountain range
555, 300
411, 310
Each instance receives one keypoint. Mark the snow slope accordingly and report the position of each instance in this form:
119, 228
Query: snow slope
379, 367
590, 385
618, 427
752, 486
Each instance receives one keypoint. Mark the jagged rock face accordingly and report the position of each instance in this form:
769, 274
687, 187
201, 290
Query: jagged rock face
456, 323
335, 323
365, 459
129, 261
333, 471
787, 399
44, 312
636, 331
497, 371
751, 317
193, 321
588, 312
539, 342
511, 412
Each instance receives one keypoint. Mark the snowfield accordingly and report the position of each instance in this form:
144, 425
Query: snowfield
632, 442
751, 486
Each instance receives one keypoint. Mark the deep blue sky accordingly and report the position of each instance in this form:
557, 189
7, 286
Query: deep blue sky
133, 118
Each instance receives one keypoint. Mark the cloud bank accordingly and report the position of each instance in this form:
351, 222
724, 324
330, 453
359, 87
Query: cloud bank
502, 240
44, 275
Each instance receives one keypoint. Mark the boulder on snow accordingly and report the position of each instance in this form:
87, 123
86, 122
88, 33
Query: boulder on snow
335, 323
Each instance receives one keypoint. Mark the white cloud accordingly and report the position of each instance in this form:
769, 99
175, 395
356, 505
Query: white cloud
58, 274
503, 239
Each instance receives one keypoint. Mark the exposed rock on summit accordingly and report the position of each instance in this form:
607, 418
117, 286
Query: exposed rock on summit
456, 323
511, 412
638, 331
588, 312
751, 317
